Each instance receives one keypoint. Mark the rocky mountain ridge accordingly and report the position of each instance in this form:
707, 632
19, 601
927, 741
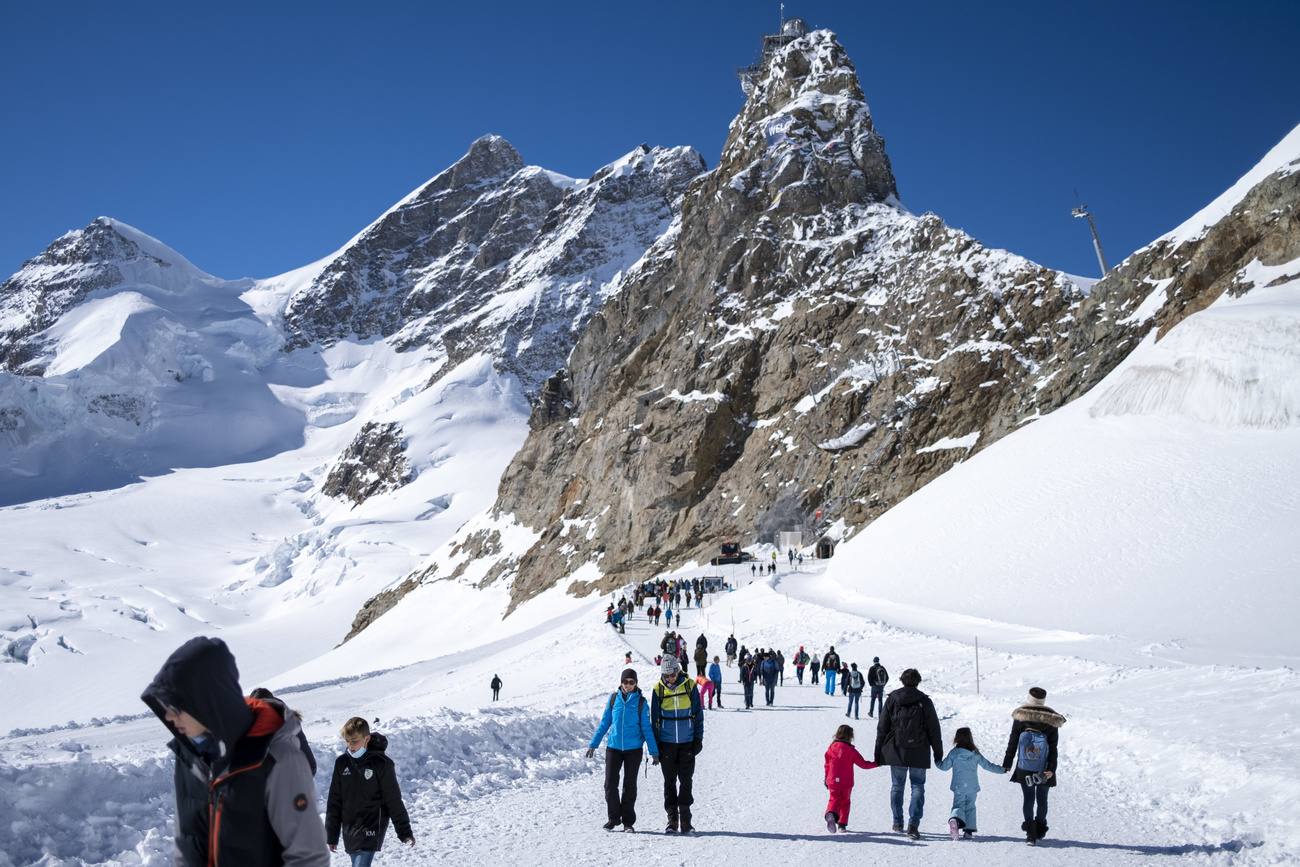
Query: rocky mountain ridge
803, 353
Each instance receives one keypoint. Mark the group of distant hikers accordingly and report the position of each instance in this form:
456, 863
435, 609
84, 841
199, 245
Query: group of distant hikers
243, 773
671, 724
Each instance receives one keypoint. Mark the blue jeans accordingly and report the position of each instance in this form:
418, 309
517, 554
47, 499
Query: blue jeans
855, 703
1038, 794
877, 695
769, 691
362, 859
830, 680
916, 808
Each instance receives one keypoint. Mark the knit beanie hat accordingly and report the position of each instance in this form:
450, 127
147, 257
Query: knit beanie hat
1037, 692
670, 665
876, 660
628, 674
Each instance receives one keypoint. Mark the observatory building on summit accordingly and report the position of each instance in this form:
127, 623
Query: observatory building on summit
791, 29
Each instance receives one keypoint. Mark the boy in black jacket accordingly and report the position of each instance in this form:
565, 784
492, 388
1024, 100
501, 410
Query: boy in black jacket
364, 795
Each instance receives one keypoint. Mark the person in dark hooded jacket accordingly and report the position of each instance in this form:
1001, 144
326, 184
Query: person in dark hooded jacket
907, 733
244, 789
364, 795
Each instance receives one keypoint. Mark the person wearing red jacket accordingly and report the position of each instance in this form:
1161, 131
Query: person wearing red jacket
841, 756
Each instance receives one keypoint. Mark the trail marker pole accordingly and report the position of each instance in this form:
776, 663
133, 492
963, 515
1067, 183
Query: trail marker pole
977, 665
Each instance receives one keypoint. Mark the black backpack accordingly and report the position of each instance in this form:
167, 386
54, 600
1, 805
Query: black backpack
909, 726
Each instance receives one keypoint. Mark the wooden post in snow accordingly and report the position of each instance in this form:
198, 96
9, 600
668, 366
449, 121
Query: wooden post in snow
977, 665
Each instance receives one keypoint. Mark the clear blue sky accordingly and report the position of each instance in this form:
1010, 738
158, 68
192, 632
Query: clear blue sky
257, 137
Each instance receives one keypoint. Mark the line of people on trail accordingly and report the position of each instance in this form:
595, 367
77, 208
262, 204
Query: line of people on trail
908, 734
244, 773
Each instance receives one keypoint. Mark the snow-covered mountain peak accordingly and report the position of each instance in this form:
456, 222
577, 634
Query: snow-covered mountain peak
806, 124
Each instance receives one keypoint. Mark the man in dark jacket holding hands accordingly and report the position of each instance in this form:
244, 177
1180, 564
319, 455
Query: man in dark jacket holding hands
908, 732
364, 795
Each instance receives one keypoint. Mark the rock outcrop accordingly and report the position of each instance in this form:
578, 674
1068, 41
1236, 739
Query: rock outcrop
375, 463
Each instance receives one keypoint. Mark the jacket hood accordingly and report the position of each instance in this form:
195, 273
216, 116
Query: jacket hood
200, 678
1031, 713
378, 743
908, 695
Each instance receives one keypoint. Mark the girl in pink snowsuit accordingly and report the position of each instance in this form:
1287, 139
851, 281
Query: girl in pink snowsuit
840, 759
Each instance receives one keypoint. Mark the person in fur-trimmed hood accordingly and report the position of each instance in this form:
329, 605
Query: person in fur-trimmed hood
1032, 747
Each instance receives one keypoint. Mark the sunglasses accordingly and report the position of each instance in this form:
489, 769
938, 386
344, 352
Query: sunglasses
629, 680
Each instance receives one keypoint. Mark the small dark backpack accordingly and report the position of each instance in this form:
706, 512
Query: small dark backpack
909, 726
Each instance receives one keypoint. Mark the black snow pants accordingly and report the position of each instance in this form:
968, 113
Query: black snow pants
621, 809
678, 762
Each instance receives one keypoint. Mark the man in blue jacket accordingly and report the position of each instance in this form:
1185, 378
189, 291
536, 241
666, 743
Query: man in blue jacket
678, 719
627, 719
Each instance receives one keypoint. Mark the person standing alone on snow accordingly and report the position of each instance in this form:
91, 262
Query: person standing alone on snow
841, 756
364, 795
243, 775
877, 677
855, 683
1032, 746
678, 720
908, 731
964, 760
496, 687
830, 668
627, 719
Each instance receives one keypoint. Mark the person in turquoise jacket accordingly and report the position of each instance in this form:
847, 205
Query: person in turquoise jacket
964, 760
627, 719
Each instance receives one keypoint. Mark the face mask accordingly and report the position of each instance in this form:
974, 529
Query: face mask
358, 754
199, 741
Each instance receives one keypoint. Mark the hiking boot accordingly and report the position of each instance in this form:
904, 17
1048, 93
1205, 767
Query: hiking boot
914, 832
610, 825
954, 829
628, 829
672, 825
968, 834
897, 829
831, 821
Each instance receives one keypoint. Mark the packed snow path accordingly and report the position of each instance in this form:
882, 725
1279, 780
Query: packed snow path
491, 783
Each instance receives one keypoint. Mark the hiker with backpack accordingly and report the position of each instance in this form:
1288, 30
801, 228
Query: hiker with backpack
1032, 746
907, 733
855, 682
627, 719
730, 649
678, 720
841, 756
800, 660
715, 675
964, 760
877, 677
769, 669
830, 668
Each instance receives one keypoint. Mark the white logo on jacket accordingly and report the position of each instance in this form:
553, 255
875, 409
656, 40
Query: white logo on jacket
369, 773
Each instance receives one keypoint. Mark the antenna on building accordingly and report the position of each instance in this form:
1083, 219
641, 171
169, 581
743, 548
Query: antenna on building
1081, 211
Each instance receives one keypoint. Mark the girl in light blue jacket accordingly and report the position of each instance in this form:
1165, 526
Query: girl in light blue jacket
964, 760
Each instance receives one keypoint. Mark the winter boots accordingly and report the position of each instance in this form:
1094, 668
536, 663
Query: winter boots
914, 832
611, 824
672, 825
954, 829
832, 821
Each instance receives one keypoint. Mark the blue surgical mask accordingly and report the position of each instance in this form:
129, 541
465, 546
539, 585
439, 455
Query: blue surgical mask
199, 741
358, 754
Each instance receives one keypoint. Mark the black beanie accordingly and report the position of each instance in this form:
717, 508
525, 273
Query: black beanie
629, 672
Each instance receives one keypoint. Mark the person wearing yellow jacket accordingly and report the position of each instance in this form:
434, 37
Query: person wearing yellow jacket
678, 720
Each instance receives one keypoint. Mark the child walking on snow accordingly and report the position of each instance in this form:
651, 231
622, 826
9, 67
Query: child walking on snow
840, 759
964, 760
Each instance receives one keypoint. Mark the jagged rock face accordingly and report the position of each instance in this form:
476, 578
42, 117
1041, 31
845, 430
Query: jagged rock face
495, 255
66, 274
375, 463
802, 344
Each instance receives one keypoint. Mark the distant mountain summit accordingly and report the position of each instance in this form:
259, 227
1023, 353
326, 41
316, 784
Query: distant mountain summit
495, 256
118, 358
